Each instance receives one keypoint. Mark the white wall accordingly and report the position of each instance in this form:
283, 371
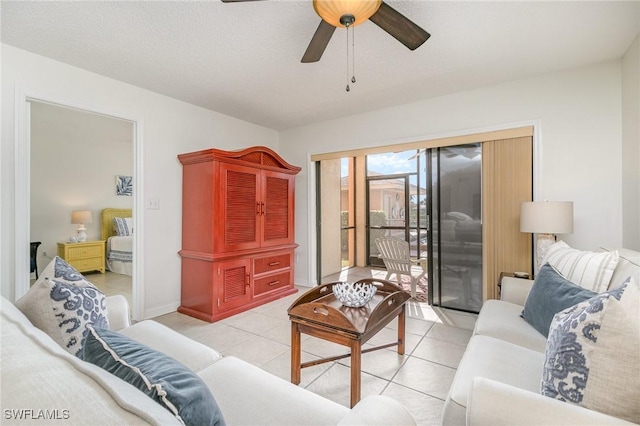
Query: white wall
631, 146
578, 113
75, 157
170, 127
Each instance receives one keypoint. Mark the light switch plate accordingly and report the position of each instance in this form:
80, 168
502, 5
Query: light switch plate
153, 203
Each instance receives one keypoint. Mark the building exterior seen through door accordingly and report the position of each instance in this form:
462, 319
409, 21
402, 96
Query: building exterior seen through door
387, 201
396, 201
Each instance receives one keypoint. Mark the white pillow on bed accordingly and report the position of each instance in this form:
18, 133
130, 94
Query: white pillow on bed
123, 226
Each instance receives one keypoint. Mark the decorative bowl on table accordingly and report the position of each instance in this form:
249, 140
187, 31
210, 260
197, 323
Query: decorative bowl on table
354, 295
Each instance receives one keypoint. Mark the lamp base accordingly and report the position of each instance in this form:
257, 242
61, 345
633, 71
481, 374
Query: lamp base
81, 235
543, 242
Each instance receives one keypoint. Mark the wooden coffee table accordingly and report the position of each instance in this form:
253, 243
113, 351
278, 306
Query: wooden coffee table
319, 314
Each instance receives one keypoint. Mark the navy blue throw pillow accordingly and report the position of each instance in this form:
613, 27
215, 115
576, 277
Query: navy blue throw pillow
550, 294
161, 377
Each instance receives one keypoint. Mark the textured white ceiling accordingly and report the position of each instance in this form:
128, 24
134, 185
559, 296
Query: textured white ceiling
243, 59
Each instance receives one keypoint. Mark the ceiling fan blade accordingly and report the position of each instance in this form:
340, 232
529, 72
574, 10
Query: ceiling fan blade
399, 26
318, 43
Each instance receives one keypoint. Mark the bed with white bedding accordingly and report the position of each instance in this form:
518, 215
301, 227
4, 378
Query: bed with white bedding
119, 250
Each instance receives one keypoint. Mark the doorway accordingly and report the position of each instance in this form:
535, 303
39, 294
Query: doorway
397, 202
387, 200
23, 208
88, 152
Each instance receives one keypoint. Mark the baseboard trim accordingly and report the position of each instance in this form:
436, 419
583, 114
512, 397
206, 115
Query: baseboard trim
161, 310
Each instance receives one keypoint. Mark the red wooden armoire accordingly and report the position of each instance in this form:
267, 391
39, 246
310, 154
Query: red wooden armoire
237, 230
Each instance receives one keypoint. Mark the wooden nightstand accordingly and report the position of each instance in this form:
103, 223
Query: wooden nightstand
84, 256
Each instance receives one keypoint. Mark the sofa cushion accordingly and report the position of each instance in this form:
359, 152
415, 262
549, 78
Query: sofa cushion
502, 320
62, 303
246, 393
493, 403
494, 359
593, 354
161, 377
194, 355
550, 294
588, 269
377, 410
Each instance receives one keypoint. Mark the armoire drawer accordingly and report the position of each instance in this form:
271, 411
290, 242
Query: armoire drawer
271, 282
266, 264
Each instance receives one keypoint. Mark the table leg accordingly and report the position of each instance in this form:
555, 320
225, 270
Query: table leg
295, 354
401, 330
356, 365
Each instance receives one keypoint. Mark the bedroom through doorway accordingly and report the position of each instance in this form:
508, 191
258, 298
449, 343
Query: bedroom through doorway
78, 162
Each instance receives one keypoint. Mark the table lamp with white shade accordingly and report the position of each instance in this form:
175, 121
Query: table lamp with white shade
546, 218
80, 217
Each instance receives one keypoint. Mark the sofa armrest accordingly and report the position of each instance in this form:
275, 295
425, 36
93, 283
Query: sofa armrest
378, 410
118, 311
493, 403
515, 290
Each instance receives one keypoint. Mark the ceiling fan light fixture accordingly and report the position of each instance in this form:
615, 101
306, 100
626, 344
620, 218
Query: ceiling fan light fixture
332, 11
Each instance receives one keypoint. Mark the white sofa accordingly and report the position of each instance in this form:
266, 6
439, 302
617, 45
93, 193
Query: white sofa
42, 381
498, 379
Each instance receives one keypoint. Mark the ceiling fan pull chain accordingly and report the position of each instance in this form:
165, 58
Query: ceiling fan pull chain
348, 88
353, 54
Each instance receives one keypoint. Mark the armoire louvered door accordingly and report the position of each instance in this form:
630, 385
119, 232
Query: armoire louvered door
240, 207
232, 279
237, 231
277, 228
256, 206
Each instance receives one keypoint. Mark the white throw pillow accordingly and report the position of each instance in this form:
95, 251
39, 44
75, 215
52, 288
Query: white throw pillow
593, 354
123, 226
588, 269
62, 303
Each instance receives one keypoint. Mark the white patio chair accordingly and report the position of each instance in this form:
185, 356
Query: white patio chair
394, 252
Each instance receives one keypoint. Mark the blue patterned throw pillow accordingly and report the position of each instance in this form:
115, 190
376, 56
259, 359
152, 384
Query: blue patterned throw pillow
62, 303
161, 377
593, 354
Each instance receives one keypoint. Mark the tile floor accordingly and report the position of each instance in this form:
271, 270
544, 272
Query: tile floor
420, 379
111, 284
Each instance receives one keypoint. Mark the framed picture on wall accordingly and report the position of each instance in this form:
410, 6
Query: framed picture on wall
124, 185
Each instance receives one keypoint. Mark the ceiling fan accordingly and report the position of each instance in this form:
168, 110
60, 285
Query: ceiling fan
348, 13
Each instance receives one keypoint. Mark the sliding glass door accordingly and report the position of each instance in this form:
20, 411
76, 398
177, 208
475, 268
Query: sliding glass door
458, 207
456, 195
